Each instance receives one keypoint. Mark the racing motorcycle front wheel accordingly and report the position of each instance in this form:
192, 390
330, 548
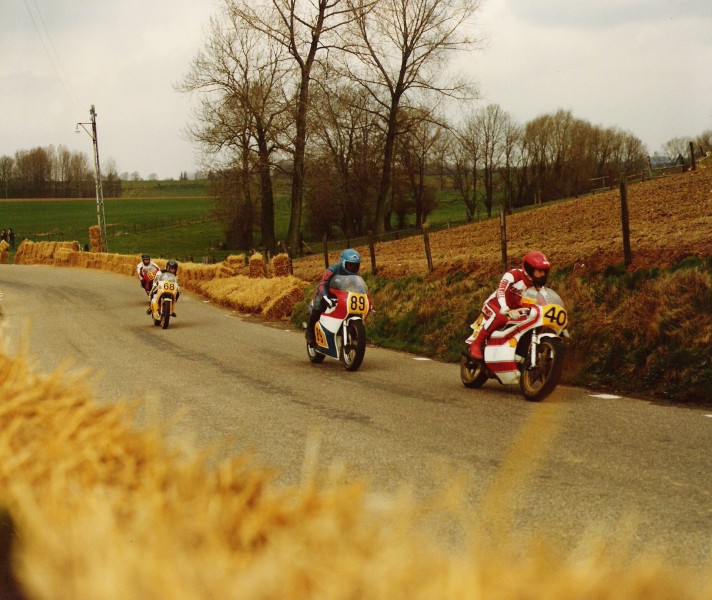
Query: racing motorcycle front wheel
355, 348
314, 356
538, 382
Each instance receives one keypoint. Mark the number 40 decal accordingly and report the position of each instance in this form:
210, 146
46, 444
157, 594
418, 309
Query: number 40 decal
556, 315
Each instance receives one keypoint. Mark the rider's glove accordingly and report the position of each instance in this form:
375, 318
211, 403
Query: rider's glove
330, 302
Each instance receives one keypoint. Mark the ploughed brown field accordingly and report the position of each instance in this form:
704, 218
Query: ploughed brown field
670, 218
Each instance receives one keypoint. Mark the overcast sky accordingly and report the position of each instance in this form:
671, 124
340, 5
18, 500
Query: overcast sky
644, 66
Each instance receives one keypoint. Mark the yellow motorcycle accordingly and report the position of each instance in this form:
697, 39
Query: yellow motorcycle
163, 301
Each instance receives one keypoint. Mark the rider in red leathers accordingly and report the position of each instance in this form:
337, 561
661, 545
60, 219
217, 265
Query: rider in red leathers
508, 296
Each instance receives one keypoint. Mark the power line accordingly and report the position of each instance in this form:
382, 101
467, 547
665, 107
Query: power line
62, 77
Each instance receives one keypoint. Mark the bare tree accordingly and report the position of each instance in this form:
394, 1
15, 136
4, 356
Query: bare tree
491, 125
346, 135
301, 27
676, 147
402, 45
241, 75
6, 163
467, 155
416, 150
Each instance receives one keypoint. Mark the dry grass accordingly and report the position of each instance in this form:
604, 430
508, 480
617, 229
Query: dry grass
670, 218
103, 511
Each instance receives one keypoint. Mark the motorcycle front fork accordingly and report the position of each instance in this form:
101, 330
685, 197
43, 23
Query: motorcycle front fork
533, 345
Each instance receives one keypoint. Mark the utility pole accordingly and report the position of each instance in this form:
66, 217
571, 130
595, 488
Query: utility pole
97, 180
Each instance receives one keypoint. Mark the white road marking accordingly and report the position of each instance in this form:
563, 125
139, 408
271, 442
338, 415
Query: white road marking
420, 358
605, 396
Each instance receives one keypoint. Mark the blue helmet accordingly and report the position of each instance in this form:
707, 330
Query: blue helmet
350, 260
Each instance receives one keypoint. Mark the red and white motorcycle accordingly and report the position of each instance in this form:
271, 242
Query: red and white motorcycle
528, 350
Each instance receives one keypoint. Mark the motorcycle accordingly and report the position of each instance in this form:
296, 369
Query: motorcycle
163, 301
340, 332
147, 278
528, 350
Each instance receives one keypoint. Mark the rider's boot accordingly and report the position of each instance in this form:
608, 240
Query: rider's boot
313, 320
476, 346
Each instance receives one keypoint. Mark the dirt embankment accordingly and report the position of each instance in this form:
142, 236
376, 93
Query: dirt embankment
670, 218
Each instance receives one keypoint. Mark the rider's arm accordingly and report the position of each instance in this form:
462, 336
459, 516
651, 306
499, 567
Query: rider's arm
507, 280
323, 287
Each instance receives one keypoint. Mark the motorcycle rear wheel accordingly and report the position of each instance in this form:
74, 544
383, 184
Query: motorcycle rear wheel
356, 349
472, 373
537, 383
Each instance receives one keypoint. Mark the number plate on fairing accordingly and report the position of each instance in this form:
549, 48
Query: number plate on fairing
554, 317
357, 304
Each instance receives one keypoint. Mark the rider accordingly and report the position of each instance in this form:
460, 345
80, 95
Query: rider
144, 269
349, 264
508, 296
170, 274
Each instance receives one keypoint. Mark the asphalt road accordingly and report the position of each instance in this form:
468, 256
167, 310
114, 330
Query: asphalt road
569, 466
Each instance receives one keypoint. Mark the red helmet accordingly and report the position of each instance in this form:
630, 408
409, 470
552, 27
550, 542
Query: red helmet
536, 260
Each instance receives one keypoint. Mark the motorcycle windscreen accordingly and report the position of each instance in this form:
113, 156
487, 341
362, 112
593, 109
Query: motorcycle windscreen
348, 283
541, 297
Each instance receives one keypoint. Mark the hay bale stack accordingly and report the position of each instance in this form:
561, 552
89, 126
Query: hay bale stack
22, 251
282, 265
273, 299
282, 305
62, 257
257, 266
41, 253
236, 262
3, 251
95, 239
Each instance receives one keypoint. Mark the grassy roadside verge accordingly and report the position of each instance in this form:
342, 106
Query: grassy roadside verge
643, 333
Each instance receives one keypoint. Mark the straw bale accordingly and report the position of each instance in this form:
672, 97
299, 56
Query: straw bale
257, 265
236, 262
268, 297
281, 307
62, 256
282, 265
4, 254
3, 245
103, 510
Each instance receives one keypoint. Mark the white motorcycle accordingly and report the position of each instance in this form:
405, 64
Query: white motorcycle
528, 350
163, 301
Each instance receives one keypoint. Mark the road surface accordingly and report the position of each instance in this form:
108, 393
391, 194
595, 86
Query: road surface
244, 386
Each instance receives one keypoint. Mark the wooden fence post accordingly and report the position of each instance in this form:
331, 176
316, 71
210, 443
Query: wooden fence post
326, 253
692, 156
624, 220
372, 251
426, 240
503, 235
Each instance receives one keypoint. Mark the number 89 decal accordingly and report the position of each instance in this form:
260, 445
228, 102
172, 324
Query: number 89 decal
358, 303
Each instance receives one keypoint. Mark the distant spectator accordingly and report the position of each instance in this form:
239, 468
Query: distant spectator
3, 236
11, 238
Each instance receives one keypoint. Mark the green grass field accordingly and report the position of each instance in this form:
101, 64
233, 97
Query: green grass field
163, 218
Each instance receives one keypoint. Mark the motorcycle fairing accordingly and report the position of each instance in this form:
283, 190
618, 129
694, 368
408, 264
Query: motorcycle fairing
325, 335
501, 348
332, 319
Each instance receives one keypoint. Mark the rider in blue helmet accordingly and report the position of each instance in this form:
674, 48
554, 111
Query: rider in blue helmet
349, 264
